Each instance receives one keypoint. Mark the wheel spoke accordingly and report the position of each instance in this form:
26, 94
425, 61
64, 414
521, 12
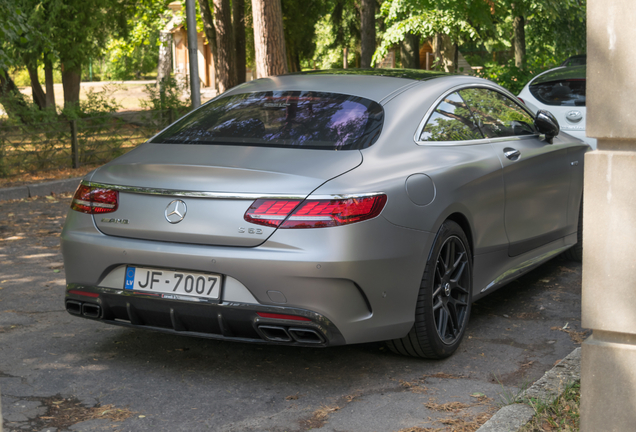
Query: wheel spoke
437, 292
442, 322
438, 305
447, 257
454, 322
460, 288
460, 303
439, 273
457, 272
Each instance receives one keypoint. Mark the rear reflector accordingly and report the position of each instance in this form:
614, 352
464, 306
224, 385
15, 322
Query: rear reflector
522, 101
314, 213
94, 200
281, 316
84, 293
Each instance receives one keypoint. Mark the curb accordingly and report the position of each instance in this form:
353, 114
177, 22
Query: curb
40, 189
512, 417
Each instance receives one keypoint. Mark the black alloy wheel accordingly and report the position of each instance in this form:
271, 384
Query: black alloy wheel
450, 290
444, 301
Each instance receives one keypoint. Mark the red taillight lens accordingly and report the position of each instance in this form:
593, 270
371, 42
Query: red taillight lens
94, 200
522, 101
269, 212
314, 213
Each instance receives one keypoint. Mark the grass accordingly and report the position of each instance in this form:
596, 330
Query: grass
560, 415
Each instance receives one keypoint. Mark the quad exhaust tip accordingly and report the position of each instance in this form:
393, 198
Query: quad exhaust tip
275, 333
295, 334
306, 335
74, 307
89, 310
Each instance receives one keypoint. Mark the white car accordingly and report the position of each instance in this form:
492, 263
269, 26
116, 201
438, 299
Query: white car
562, 92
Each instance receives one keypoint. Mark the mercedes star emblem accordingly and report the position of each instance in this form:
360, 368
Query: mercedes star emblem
176, 211
574, 116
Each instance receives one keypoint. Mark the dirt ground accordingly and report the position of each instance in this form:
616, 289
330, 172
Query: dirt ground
128, 94
60, 372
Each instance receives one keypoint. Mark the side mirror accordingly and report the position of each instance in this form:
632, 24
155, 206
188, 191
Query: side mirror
546, 124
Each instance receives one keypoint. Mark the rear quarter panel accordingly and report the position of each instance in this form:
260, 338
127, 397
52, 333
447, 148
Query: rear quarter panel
467, 178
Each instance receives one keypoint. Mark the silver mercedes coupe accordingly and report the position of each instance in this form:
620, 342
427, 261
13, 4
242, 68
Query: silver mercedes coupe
326, 208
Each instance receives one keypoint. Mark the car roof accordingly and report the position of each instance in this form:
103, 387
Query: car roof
373, 84
561, 73
414, 74
575, 60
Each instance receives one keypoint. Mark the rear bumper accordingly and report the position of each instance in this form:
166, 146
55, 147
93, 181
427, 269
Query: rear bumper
357, 283
226, 321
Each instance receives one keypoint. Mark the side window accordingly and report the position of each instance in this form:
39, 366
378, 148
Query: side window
451, 121
497, 114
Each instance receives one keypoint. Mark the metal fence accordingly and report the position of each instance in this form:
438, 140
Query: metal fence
73, 143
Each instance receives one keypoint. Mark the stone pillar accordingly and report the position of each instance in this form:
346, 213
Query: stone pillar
608, 367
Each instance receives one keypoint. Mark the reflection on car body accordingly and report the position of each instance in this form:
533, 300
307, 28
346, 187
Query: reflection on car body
326, 208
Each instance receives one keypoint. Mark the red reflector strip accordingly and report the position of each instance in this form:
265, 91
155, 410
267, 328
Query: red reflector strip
84, 293
282, 316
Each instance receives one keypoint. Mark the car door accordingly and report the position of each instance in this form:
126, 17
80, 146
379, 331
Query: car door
536, 174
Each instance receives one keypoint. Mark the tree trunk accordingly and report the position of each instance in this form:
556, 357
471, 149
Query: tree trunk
225, 45
520, 41
456, 58
210, 35
410, 51
48, 83
238, 22
71, 79
11, 98
345, 58
165, 57
444, 50
367, 32
269, 39
39, 98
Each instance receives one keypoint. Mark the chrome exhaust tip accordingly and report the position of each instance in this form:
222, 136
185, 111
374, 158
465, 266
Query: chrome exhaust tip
274, 333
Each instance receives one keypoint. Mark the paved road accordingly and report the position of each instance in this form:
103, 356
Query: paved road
59, 372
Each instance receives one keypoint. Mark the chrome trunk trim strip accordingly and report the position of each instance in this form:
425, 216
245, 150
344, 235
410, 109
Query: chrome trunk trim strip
222, 195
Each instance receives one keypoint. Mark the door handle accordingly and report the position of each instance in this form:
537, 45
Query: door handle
512, 154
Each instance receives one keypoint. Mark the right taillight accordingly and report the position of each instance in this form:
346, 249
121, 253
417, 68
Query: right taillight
94, 200
314, 213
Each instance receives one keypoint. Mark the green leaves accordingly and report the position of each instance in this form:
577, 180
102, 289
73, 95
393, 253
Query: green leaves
555, 29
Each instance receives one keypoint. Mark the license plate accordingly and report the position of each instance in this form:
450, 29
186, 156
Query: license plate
173, 284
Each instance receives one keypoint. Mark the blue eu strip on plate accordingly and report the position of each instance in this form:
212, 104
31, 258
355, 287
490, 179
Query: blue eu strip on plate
130, 278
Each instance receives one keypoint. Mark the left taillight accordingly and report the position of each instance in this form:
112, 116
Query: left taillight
95, 200
314, 213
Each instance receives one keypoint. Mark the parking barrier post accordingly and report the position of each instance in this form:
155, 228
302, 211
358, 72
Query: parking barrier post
74, 146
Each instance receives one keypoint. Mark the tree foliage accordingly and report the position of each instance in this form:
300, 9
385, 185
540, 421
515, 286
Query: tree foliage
134, 52
554, 30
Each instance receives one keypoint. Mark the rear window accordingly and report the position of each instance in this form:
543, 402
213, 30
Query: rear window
561, 87
560, 93
302, 119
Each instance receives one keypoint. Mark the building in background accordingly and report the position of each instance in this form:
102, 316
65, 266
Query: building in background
179, 48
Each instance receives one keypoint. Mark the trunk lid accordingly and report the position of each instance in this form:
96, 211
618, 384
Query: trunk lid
214, 186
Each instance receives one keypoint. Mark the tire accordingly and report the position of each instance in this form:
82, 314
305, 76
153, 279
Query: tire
444, 301
575, 253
